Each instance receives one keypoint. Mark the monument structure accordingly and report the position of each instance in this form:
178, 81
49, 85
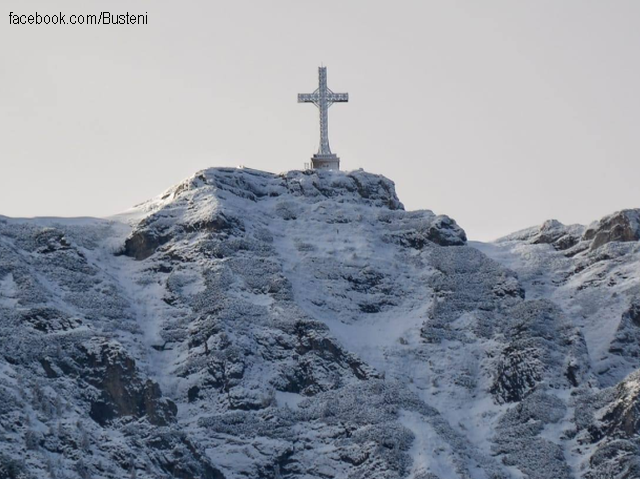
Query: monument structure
323, 98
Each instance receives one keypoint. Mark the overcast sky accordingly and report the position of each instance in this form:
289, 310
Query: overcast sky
500, 114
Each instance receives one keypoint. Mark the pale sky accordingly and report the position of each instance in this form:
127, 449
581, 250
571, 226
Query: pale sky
501, 114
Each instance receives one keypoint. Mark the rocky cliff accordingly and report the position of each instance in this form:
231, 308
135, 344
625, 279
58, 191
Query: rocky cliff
304, 325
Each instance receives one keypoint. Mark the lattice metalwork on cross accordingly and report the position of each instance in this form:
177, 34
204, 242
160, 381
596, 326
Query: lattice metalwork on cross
323, 98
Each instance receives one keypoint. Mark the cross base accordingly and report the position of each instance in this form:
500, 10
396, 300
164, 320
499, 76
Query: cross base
325, 162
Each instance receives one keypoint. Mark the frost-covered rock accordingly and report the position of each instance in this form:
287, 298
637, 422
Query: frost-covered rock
304, 325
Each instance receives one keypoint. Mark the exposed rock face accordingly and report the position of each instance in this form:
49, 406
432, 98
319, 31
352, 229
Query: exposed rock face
446, 232
626, 342
610, 424
621, 417
552, 232
142, 244
621, 226
633, 313
107, 367
556, 234
304, 325
48, 320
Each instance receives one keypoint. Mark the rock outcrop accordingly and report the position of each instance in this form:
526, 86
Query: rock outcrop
621, 226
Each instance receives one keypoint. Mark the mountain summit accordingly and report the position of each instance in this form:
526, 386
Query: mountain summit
304, 325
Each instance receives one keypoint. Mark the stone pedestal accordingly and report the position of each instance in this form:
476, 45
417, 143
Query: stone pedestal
325, 162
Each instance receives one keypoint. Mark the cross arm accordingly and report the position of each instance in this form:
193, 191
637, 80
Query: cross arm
338, 97
307, 98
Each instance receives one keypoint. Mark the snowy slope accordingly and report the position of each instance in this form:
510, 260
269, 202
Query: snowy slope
593, 274
304, 325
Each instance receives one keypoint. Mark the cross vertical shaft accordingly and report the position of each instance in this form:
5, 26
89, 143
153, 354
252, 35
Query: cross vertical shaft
323, 107
323, 98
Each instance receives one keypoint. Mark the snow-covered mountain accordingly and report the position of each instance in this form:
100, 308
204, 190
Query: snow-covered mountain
304, 325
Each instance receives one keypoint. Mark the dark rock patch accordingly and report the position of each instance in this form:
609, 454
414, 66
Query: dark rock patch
142, 244
633, 314
122, 391
49, 320
444, 231
219, 222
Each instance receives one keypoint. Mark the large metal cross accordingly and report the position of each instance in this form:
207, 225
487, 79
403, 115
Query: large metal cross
323, 98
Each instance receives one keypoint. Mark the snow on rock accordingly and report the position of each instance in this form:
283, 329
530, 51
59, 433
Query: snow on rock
304, 325
591, 274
